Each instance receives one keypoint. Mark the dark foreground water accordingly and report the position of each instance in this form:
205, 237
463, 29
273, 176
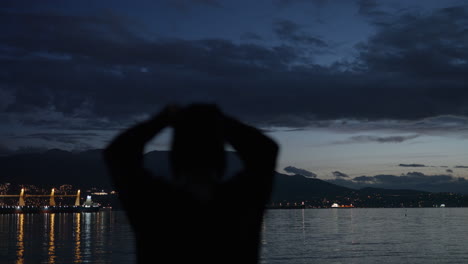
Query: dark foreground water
432, 235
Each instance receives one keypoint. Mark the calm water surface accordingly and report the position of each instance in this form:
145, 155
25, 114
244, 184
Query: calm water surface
103, 237
419, 235
423, 235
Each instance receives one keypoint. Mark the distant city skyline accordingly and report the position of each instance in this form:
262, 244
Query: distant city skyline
347, 88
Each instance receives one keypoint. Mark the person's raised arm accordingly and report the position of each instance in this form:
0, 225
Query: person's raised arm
257, 151
124, 155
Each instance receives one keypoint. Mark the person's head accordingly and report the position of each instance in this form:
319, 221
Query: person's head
197, 153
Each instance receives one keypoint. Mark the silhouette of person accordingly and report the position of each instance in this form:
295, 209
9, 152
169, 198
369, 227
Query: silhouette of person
197, 215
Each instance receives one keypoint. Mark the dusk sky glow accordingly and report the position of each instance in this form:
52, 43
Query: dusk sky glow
358, 87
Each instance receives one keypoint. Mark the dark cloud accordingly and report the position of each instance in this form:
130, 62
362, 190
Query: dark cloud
393, 139
449, 171
427, 52
214, 3
64, 140
107, 68
289, 31
435, 125
410, 180
4, 150
370, 8
364, 179
421, 46
377, 139
461, 167
366, 6
115, 83
338, 174
412, 165
251, 36
303, 172
187, 5
68, 138
383, 14
287, 3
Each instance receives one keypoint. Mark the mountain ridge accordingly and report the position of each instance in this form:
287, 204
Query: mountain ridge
57, 166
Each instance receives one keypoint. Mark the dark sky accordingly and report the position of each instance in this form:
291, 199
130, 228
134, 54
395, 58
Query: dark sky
354, 86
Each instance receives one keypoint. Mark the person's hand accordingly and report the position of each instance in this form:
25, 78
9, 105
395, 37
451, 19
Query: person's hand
167, 116
206, 109
172, 111
195, 116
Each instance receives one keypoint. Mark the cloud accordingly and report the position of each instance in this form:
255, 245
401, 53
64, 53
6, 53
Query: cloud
364, 179
371, 9
412, 165
251, 36
303, 172
437, 125
64, 140
288, 3
449, 171
338, 174
410, 180
289, 31
112, 57
29, 149
4, 150
376, 139
461, 167
68, 138
366, 6
6, 98
420, 45
187, 5
415, 61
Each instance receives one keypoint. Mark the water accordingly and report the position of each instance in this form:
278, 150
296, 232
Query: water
422, 235
103, 237
419, 235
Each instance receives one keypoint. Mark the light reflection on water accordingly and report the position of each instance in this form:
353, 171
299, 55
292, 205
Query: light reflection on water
51, 251
103, 237
423, 235
20, 240
77, 234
